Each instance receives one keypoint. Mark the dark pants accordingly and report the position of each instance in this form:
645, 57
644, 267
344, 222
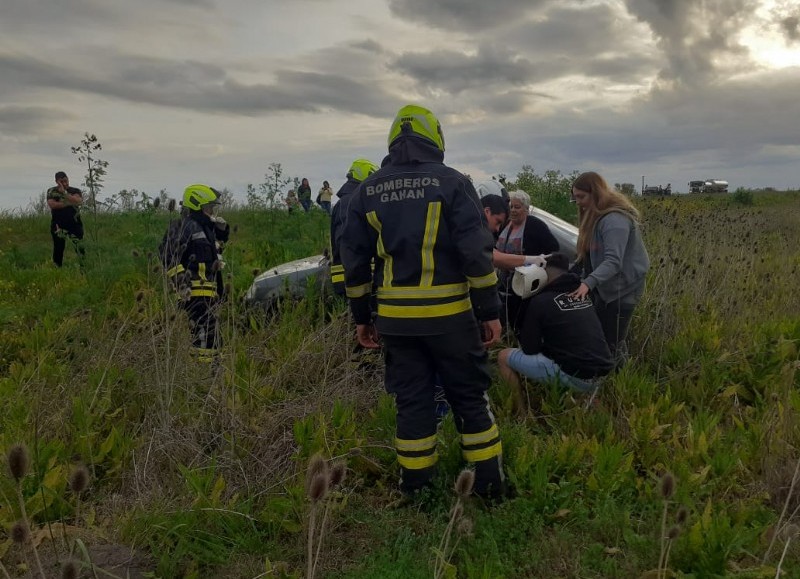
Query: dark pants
203, 324
306, 203
459, 362
60, 233
326, 206
615, 318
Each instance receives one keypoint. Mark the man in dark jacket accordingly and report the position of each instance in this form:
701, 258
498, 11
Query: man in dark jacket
424, 226
359, 170
561, 337
190, 255
65, 222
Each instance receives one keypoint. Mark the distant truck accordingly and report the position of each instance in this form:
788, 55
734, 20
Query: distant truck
708, 186
657, 190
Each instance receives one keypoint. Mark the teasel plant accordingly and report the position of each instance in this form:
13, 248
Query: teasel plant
19, 463
463, 526
322, 480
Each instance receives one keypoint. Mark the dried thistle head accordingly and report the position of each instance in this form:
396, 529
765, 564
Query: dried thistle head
317, 465
255, 272
20, 532
79, 480
318, 487
338, 473
171, 205
139, 295
667, 486
465, 482
156, 202
673, 532
135, 253
19, 461
355, 451
789, 532
70, 570
465, 527
682, 516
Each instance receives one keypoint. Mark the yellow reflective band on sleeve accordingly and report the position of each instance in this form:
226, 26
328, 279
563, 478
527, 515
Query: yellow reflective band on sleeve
432, 311
418, 444
201, 270
440, 291
418, 462
203, 293
358, 291
372, 219
337, 269
337, 278
428, 243
480, 437
484, 281
483, 453
173, 271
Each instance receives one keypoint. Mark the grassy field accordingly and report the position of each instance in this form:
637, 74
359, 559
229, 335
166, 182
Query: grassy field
687, 467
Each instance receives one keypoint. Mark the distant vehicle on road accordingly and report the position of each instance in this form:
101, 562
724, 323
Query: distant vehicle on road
708, 186
657, 190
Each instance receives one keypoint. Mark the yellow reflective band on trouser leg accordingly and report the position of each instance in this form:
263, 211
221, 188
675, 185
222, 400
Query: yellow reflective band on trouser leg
418, 462
483, 453
407, 445
480, 437
205, 355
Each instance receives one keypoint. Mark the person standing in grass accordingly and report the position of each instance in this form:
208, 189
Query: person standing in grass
359, 170
438, 311
324, 197
189, 254
65, 222
304, 194
612, 258
560, 337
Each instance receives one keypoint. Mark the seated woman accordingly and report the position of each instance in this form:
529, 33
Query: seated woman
561, 336
524, 236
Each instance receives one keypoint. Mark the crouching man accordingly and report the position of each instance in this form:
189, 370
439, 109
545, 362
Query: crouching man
561, 337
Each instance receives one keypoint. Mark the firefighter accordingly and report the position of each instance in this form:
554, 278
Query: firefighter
438, 309
190, 255
359, 170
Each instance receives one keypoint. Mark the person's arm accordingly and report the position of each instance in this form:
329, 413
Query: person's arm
511, 260
537, 238
56, 198
614, 230
74, 196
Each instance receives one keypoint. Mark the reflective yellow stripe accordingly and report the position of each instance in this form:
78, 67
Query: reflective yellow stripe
201, 283
418, 444
432, 311
337, 269
483, 453
358, 291
428, 243
175, 270
338, 278
439, 291
480, 437
484, 281
417, 462
203, 293
372, 218
201, 270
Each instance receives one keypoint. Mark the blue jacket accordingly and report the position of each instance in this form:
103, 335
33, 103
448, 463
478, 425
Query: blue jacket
423, 224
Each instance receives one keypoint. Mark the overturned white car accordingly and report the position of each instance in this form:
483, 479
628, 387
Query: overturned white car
291, 280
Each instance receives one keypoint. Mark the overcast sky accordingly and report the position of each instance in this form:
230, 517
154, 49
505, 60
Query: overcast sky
183, 91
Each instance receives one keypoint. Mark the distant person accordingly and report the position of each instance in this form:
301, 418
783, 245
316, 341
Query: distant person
292, 202
611, 257
65, 221
423, 225
525, 235
189, 254
359, 170
560, 337
324, 197
304, 194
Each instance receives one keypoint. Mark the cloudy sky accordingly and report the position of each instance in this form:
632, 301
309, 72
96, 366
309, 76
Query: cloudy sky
182, 91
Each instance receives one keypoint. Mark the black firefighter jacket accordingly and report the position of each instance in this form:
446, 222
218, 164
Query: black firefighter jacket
423, 224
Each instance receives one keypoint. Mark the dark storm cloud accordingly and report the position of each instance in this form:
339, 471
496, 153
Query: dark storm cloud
695, 36
197, 86
26, 121
457, 15
791, 28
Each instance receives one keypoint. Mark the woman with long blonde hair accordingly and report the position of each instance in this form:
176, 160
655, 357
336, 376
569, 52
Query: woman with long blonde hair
612, 256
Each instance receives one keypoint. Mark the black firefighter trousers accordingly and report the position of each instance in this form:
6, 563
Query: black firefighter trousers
461, 364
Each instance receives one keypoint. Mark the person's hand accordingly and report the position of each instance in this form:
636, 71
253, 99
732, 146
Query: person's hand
367, 336
491, 331
540, 260
581, 292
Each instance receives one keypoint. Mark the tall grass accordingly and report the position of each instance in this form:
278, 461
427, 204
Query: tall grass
206, 469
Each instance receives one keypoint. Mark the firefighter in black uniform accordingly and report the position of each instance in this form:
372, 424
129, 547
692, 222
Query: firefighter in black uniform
359, 170
424, 226
190, 256
65, 223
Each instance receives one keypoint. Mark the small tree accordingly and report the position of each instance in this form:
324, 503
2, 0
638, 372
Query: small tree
269, 194
96, 168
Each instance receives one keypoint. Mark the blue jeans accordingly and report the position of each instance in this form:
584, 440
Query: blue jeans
542, 369
306, 203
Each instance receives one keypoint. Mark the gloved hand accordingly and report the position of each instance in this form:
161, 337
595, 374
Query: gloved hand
540, 260
219, 223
